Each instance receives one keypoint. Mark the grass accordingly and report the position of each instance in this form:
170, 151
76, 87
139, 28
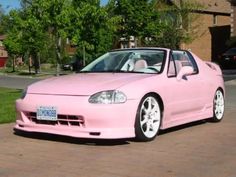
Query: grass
7, 104
23, 71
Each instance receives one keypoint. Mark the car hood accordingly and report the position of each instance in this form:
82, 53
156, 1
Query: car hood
84, 83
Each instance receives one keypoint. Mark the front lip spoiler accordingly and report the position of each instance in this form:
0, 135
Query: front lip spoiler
104, 133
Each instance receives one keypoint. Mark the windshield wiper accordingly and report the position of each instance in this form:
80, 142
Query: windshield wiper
83, 71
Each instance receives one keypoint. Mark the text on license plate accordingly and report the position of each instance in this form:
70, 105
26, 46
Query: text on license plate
46, 113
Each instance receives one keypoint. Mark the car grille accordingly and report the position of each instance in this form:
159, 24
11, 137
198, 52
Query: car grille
62, 120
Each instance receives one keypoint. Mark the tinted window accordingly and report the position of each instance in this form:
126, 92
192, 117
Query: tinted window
180, 59
171, 67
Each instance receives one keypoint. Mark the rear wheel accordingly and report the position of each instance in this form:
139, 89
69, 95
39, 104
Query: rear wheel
218, 106
148, 119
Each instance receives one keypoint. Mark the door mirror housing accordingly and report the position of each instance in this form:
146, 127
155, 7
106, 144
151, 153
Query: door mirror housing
185, 71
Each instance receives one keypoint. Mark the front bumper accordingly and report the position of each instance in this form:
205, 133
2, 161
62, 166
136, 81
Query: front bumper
94, 121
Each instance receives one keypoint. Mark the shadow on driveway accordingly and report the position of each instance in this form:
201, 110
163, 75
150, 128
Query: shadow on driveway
71, 140
100, 142
229, 75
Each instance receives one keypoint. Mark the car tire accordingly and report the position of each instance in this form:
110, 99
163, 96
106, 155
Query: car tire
218, 106
148, 118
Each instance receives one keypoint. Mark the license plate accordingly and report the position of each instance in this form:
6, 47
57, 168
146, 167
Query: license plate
47, 113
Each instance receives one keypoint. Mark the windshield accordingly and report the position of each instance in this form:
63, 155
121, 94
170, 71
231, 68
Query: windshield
138, 61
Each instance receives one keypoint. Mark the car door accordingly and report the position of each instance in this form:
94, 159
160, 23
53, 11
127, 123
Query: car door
185, 98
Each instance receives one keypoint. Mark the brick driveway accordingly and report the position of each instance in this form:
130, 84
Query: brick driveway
198, 150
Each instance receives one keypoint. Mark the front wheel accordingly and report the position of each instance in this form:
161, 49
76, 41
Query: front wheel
148, 119
218, 106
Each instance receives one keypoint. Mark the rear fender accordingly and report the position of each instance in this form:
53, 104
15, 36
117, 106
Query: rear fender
214, 67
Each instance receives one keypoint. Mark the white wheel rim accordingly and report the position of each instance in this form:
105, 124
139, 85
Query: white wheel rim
150, 117
219, 105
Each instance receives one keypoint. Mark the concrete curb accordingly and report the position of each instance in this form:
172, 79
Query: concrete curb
231, 82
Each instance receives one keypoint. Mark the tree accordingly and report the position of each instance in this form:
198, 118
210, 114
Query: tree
25, 36
139, 19
41, 23
34, 39
179, 20
53, 18
13, 42
3, 21
156, 22
93, 29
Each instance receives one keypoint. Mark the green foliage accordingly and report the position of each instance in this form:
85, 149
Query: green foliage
40, 29
3, 21
93, 29
7, 111
13, 41
138, 18
179, 22
156, 22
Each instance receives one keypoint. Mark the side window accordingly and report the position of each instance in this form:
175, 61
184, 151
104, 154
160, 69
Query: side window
194, 64
184, 58
171, 67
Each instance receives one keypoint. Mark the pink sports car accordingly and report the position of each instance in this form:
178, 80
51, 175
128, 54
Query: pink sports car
125, 94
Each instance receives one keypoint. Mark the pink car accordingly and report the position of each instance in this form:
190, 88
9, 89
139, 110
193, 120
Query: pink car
125, 94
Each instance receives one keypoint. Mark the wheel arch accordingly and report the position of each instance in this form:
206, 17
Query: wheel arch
138, 131
215, 117
221, 89
158, 97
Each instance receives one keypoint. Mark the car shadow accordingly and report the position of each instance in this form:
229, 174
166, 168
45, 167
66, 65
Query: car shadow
72, 140
101, 142
185, 126
229, 75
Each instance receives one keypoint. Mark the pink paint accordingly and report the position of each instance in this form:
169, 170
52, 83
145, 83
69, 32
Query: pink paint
185, 99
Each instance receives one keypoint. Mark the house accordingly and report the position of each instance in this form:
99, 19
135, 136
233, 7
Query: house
3, 52
214, 29
214, 26
127, 43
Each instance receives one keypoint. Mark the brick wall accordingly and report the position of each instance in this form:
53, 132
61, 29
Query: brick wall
202, 45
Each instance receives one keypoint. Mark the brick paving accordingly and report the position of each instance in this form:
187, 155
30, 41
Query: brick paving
201, 149
204, 149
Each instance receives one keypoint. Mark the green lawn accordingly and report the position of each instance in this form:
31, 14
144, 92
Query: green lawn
7, 104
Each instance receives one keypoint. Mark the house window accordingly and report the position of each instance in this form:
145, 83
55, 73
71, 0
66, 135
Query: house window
215, 20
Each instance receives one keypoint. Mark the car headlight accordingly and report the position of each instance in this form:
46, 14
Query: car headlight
23, 94
108, 97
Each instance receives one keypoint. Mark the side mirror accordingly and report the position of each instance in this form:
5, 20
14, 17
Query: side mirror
184, 71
